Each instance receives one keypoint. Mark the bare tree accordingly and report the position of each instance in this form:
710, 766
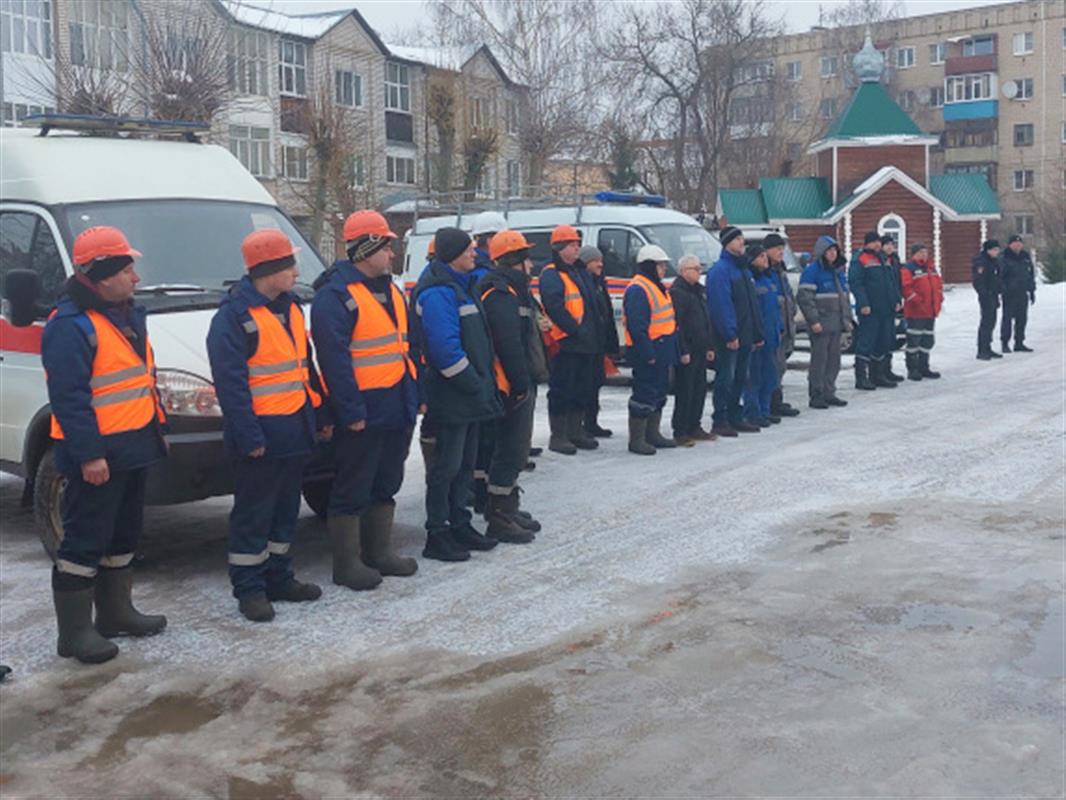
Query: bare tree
478, 149
440, 107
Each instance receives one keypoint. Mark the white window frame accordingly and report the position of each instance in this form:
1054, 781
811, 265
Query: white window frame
103, 29
25, 32
514, 178
358, 172
292, 68
1023, 85
936, 93
894, 223
968, 88
397, 87
248, 61
907, 100
397, 164
1014, 134
1023, 224
794, 71
795, 112
971, 43
251, 148
14, 113
510, 116
1023, 43
904, 57
347, 82
1024, 180
830, 104
1064, 133
486, 184
938, 53
293, 164
479, 112
832, 62
1064, 85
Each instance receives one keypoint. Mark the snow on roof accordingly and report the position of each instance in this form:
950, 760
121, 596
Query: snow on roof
451, 58
306, 26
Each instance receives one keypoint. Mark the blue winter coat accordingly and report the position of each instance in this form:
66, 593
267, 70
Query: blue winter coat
731, 301
666, 350
768, 293
332, 323
873, 282
67, 352
229, 346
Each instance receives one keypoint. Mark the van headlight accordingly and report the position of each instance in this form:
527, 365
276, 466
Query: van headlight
186, 394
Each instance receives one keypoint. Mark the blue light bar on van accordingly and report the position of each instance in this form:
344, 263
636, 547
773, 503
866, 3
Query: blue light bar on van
113, 124
629, 198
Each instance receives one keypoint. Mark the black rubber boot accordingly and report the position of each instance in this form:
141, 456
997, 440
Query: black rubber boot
654, 436
878, 373
256, 607
440, 546
862, 375
1021, 347
375, 528
77, 636
523, 518
468, 537
638, 441
888, 373
833, 400
115, 614
923, 366
1006, 346
575, 431
592, 425
294, 591
348, 567
818, 402
559, 442
502, 516
984, 355
914, 372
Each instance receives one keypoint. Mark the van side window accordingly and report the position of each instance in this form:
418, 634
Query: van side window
619, 248
26, 242
541, 252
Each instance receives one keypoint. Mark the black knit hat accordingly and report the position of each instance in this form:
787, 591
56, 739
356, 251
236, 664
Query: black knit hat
773, 240
917, 246
989, 244
871, 236
103, 268
450, 243
1014, 237
728, 234
753, 251
888, 239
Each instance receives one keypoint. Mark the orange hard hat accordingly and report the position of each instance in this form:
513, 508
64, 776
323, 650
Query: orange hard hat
102, 241
506, 242
432, 249
366, 223
268, 244
565, 233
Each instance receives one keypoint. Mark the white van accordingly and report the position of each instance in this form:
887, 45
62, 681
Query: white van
619, 230
186, 206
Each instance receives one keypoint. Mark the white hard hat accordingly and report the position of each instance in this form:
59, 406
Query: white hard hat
652, 252
489, 222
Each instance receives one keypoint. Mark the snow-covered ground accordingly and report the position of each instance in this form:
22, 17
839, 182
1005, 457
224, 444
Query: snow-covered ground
936, 480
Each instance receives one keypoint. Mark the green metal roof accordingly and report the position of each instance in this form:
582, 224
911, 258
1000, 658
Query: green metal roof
743, 206
966, 193
872, 112
795, 198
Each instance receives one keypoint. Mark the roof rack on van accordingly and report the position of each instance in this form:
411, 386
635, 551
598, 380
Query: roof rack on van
90, 123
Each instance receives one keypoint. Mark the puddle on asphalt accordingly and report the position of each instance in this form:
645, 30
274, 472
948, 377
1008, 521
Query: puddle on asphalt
170, 714
882, 519
933, 615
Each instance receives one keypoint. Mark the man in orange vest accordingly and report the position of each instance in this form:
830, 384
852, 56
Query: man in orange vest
359, 324
271, 400
569, 303
653, 347
107, 426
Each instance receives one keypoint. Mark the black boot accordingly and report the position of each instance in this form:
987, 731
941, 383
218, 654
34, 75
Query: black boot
376, 533
833, 400
592, 425
348, 567
440, 546
559, 442
914, 373
638, 436
504, 524
653, 434
115, 614
1006, 347
1021, 347
575, 431
862, 375
984, 355
294, 591
818, 402
469, 538
523, 518
923, 365
878, 370
256, 607
74, 615
888, 373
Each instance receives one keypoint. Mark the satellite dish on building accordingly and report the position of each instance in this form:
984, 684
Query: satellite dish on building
1010, 90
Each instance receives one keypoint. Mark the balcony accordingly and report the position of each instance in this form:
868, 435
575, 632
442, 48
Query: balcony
965, 65
972, 109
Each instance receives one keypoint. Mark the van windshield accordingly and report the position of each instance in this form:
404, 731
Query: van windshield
191, 243
681, 240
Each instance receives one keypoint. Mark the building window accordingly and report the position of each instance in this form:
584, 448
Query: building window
100, 34
904, 57
963, 88
247, 61
358, 176
938, 53
795, 112
1025, 89
514, 178
294, 162
828, 66
936, 96
479, 116
14, 113
26, 27
292, 67
348, 88
794, 70
1023, 179
894, 226
397, 88
1023, 43
1023, 224
827, 109
510, 116
399, 170
906, 100
252, 148
979, 46
485, 183
754, 72
1023, 135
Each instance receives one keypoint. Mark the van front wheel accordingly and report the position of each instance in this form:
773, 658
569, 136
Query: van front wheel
48, 486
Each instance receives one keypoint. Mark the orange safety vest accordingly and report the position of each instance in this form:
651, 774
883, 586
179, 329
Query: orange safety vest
502, 383
574, 302
663, 322
379, 346
279, 373
123, 385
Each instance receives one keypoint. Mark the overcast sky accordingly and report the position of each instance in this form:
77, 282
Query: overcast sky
388, 16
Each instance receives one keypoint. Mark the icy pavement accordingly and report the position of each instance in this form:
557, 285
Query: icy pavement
858, 601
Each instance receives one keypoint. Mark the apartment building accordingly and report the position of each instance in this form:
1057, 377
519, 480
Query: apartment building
990, 82
298, 87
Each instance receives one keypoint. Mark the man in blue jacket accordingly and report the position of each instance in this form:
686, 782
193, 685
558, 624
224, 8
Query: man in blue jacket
271, 400
455, 340
877, 297
735, 316
762, 374
107, 426
360, 327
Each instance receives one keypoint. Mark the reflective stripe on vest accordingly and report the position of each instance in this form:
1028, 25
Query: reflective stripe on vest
279, 373
502, 383
662, 322
573, 301
379, 346
122, 385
